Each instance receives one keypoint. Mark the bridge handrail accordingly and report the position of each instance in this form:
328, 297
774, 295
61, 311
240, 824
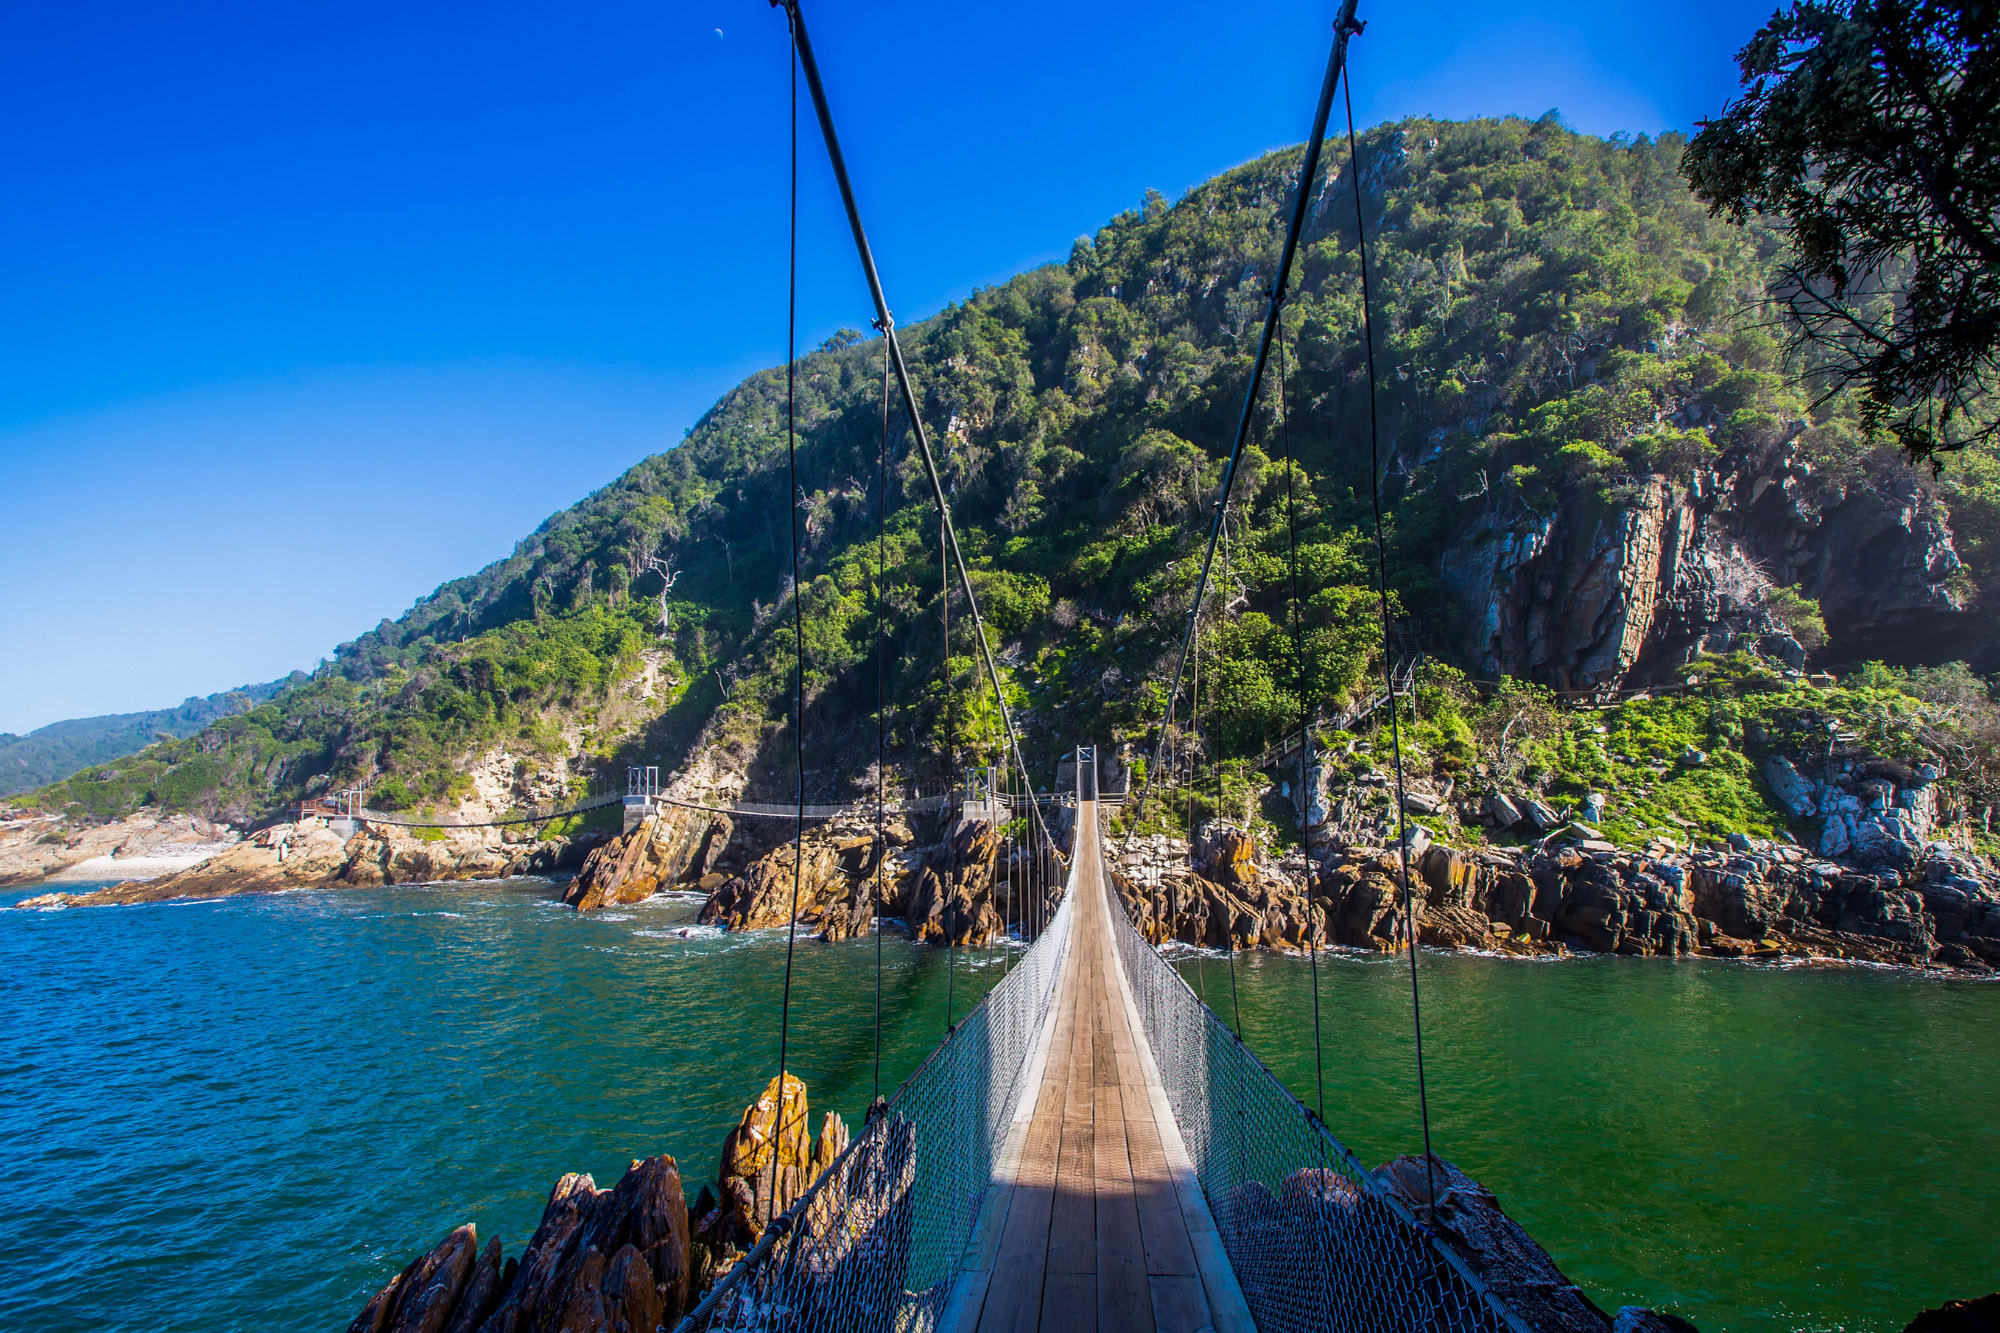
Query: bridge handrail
1316, 1241
874, 1244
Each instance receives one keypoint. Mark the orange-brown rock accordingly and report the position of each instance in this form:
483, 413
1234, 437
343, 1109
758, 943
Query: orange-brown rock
762, 895
951, 899
1455, 928
771, 1149
666, 846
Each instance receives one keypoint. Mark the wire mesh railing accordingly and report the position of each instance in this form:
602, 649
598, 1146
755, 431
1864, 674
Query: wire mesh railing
1316, 1242
876, 1242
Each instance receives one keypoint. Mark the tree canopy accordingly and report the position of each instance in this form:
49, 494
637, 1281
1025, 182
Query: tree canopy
1868, 128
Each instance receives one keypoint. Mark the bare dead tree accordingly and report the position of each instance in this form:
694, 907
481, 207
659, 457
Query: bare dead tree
665, 568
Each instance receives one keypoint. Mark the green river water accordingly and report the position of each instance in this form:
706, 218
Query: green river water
1753, 1147
249, 1113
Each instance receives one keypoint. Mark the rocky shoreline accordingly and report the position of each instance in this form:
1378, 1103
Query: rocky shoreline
311, 854
1886, 895
1758, 899
962, 888
37, 848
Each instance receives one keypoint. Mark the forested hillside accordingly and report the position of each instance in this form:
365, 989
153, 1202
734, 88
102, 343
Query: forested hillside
1565, 347
49, 754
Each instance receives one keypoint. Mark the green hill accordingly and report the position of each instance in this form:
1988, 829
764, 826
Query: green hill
1559, 325
50, 754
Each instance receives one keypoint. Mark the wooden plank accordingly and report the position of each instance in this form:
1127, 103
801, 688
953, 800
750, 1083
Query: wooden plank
1073, 1219
1123, 1300
1168, 1248
1180, 1305
1014, 1295
1077, 1097
1069, 1303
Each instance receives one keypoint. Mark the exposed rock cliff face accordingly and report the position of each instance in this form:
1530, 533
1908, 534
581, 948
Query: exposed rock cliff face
1588, 595
668, 846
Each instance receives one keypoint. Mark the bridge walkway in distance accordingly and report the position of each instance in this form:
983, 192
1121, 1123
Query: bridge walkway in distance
1099, 1223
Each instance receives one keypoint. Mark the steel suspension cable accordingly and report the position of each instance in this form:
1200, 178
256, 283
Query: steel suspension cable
951, 781
1191, 743
881, 700
1298, 610
1388, 663
1344, 27
1215, 729
798, 623
884, 321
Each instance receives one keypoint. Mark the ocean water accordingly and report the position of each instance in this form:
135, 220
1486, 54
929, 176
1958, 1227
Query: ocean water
249, 1113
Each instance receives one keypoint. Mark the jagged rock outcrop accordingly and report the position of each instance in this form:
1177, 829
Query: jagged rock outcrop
1981, 1315
615, 1261
951, 902
1759, 899
635, 1258
772, 1149
667, 846
762, 896
1589, 595
1467, 1217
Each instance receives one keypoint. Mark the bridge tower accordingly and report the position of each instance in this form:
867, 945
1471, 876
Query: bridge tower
642, 793
1086, 772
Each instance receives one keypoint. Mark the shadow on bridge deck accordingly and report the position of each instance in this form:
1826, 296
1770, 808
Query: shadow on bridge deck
1099, 1224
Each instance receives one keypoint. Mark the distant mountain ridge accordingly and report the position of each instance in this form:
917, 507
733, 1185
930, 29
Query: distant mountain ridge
50, 754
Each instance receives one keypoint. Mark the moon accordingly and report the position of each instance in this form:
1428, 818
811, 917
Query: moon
718, 32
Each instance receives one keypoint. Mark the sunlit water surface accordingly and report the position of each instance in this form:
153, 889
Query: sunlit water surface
247, 1114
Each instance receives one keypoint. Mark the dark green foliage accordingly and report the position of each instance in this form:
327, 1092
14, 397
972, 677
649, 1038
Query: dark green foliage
49, 754
1868, 127
1800, 615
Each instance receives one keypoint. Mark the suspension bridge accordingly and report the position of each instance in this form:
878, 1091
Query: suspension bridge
1090, 1146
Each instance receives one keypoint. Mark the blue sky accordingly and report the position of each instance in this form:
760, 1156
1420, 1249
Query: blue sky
306, 309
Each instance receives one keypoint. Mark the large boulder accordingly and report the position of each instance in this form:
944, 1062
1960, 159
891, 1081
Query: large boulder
1790, 786
763, 895
602, 1261
1455, 928
666, 846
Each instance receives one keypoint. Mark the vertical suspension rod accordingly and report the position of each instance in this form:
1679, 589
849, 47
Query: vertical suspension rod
1344, 27
887, 324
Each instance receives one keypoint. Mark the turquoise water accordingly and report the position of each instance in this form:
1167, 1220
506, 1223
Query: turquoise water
250, 1113
1755, 1148
247, 1114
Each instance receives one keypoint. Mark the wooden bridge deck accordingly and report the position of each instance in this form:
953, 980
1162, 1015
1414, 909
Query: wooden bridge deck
1099, 1228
